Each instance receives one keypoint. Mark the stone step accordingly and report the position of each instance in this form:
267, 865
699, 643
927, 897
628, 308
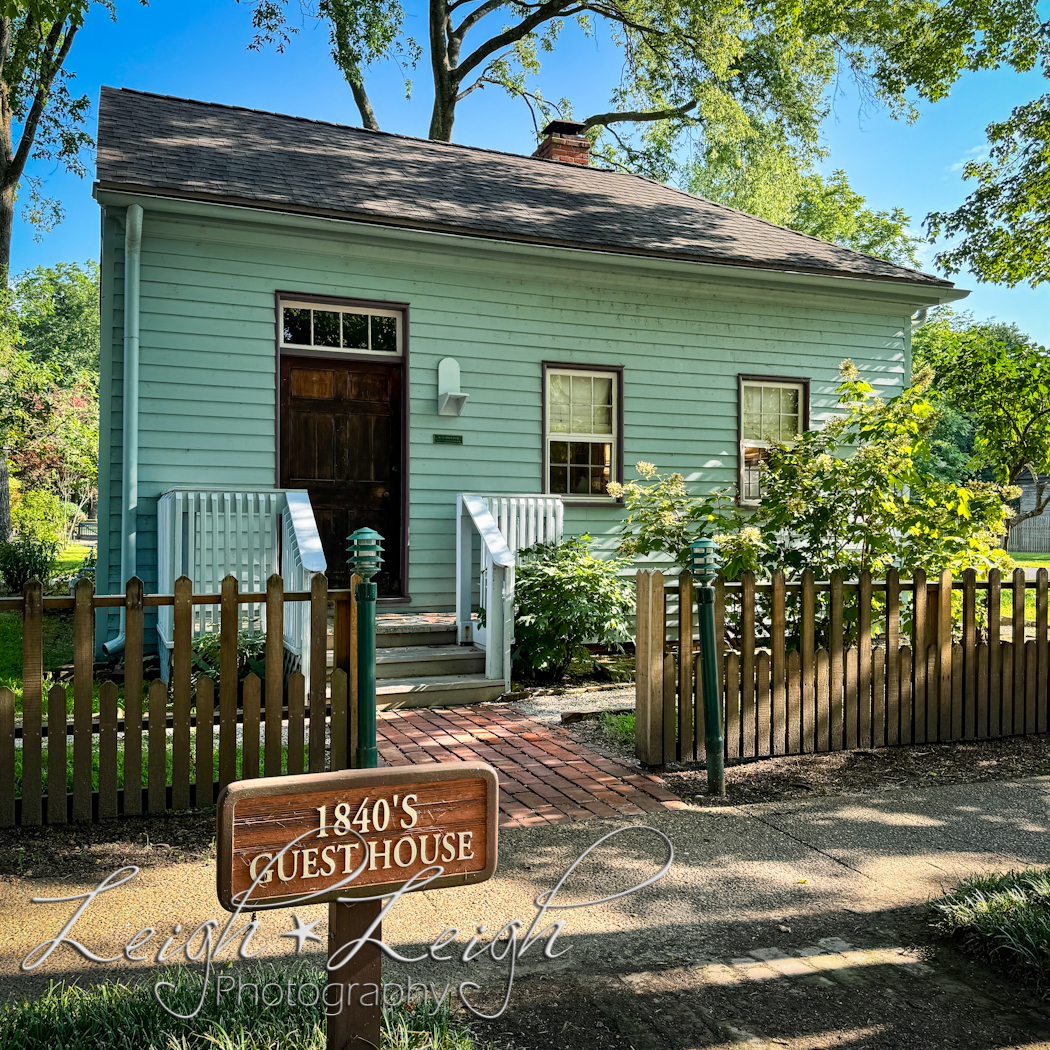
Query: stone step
411, 631
446, 690
413, 661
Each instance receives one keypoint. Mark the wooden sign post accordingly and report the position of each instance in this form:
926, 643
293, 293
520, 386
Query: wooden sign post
286, 838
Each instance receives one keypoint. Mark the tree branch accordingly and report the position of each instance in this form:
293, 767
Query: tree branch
639, 115
368, 117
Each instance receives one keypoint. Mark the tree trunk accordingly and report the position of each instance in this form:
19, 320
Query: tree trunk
5, 499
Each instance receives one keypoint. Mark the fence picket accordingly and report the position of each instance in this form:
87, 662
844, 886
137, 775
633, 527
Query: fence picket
720, 639
340, 743
250, 728
893, 680
944, 657
1042, 644
686, 745
807, 640
274, 685
1030, 667
1007, 717
642, 678
969, 644
982, 691
57, 741
906, 695
794, 698
837, 656
32, 702
747, 663
777, 633
204, 764
932, 653
823, 712
957, 680
1017, 637
133, 628
318, 670
762, 705
918, 648
83, 666
732, 714
107, 752
864, 684
878, 697
995, 655
157, 745
180, 690
669, 718
851, 701
228, 626
7, 757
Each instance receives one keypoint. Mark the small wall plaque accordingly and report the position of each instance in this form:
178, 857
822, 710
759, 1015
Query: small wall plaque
448, 439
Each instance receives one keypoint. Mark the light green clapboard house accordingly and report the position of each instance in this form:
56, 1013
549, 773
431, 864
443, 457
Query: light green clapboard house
307, 328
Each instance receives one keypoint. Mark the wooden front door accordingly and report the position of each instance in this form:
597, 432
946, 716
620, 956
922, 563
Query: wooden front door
341, 440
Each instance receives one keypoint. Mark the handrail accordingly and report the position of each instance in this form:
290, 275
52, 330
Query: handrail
489, 532
304, 529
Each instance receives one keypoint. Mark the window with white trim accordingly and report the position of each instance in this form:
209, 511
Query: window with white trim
320, 326
581, 432
771, 412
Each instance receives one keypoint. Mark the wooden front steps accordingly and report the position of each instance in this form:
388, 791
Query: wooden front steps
419, 664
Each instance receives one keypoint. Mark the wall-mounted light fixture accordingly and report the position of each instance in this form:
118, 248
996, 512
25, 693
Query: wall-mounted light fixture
450, 398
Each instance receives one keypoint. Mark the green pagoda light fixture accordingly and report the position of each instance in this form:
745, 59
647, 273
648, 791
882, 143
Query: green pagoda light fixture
365, 558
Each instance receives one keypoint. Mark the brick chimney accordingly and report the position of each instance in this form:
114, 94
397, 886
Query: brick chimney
564, 140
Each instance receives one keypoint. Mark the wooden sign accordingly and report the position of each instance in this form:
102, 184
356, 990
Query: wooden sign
410, 818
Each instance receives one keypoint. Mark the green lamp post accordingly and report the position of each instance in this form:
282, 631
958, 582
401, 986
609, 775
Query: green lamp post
703, 565
365, 552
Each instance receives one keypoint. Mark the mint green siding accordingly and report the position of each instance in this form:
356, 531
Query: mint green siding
682, 335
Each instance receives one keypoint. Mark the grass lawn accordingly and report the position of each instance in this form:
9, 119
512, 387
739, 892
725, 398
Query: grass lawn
70, 558
123, 1016
1005, 918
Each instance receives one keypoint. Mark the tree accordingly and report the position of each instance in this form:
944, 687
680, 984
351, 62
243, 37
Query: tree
764, 176
693, 70
58, 316
1000, 378
1005, 221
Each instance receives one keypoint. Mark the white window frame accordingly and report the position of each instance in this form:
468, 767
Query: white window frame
613, 439
335, 308
802, 386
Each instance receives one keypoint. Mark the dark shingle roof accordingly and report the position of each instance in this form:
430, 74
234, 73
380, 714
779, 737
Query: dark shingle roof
210, 152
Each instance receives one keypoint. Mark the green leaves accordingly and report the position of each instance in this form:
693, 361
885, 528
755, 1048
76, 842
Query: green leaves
566, 597
1005, 222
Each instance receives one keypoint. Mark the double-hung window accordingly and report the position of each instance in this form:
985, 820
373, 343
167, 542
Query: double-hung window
581, 431
772, 411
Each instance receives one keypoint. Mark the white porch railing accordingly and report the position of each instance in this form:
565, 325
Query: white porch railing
208, 534
506, 525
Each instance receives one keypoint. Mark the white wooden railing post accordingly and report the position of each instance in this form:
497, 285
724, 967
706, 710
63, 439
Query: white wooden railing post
464, 536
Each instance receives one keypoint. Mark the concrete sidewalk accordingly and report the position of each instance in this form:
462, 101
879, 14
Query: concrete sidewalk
829, 880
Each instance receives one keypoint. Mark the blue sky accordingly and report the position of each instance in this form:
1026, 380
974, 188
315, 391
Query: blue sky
197, 49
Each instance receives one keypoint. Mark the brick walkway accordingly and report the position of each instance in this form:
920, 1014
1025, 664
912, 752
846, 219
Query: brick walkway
545, 775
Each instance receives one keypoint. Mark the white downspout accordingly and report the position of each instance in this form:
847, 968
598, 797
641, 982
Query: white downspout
129, 489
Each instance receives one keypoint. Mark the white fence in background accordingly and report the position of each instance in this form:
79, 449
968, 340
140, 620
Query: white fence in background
506, 525
208, 534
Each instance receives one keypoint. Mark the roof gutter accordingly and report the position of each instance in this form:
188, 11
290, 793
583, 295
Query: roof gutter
129, 474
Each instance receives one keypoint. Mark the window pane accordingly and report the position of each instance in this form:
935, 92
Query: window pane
752, 426
579, 452
752, 400
600, 455
326, 328
559, 452
559, 480
770, 400
599, 481
789, 400
560, 390
601, 391
581, 404
355, 331
789, 428
384, 334
579, 480
296, 326
602, 420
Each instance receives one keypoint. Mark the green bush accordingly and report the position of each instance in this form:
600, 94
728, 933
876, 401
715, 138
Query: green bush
39, 515
566, 597
27, 558
251, 655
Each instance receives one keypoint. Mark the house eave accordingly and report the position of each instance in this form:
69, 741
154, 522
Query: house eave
911, 294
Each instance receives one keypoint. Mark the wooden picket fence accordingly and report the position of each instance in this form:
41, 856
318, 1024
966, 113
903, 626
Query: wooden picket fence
170, 732
963, 670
